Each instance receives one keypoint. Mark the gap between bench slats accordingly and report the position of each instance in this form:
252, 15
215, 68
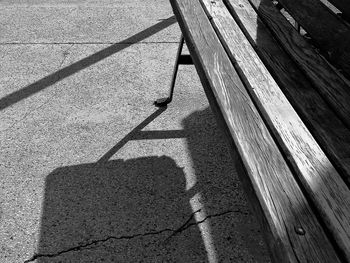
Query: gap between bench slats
333, 88
330, 132
324, 27
323, 183
284, 205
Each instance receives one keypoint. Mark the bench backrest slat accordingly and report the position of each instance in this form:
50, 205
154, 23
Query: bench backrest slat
287, 112
331, 86
324, 27
324, 185
284, 205
324, 124
343, 6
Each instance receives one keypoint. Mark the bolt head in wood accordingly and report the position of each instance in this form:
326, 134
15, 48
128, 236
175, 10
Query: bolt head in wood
299, 230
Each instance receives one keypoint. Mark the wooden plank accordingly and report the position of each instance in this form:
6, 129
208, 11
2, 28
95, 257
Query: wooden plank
322, 182
342, 5
284, 206
330, 132
324, 27
333, 88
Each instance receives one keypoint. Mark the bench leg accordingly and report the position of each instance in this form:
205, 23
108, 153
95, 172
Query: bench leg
180, 59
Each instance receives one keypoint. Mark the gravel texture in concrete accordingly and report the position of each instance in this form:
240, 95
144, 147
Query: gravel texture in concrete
90, 170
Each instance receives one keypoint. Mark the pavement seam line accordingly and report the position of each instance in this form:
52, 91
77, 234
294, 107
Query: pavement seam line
86, 43
177, 231
65, 55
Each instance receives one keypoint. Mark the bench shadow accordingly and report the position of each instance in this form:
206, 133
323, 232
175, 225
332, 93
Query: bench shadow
233, 231
109, 209
65, 72
87, 206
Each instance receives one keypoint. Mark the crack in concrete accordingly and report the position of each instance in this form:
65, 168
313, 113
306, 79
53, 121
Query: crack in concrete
30, 111
175, 232
65, 55
94, 242
187, 224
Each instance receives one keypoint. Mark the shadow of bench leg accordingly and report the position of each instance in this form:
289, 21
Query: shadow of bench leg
180, 59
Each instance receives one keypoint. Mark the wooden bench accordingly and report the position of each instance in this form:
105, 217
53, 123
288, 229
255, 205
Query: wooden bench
276, 75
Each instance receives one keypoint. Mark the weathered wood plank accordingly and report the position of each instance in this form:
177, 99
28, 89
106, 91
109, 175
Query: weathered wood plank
342, 5
323, 183
330, 132
333, 88
324, 27
282, 202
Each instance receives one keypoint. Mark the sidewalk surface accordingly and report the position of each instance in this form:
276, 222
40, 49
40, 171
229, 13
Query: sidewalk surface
90, 170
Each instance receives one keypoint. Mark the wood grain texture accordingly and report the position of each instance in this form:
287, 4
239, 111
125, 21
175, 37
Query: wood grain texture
332, 87
323, 183
324, 27
330, 132
283, 204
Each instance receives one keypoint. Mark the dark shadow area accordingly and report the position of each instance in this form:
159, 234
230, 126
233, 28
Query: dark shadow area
102, 212
235, 232
82, 64
88, 206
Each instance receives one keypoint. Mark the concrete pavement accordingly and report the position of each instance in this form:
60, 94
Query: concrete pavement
90, 170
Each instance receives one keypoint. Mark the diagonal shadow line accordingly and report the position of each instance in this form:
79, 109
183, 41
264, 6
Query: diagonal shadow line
161, 135
130, 136
82, 64
138, 134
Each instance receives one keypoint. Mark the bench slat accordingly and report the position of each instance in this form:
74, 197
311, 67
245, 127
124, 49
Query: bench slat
330, 132
324, 27
333, 88
283, 203
323, 183
342, 5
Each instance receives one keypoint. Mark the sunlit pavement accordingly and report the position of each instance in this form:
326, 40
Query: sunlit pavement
91, 171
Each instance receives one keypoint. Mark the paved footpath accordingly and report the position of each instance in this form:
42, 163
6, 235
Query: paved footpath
90, 170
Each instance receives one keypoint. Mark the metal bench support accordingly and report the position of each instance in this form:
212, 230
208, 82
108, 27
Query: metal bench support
180, 59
